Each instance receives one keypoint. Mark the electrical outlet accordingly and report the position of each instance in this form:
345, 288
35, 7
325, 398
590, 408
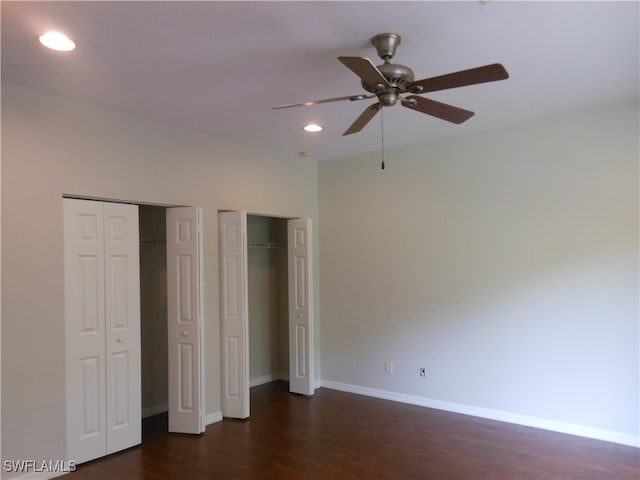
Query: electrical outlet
388, 367
423, 372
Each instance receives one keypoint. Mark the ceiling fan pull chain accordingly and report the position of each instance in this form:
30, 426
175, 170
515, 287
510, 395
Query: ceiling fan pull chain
382, 134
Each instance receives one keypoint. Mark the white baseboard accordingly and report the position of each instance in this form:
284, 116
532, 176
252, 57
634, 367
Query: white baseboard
212, 418
502, 416
154, 410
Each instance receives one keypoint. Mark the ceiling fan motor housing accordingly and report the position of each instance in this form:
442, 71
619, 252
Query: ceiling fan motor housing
399, 76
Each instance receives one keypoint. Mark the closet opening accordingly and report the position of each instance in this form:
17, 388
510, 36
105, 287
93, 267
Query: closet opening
153, 310
267, 272
171, 315
277, 281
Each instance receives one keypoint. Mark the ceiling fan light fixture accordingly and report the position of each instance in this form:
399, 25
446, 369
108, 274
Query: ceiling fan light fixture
312, 128
57, 41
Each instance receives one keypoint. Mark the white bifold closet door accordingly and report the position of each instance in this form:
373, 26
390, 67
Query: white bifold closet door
234, 313
234, 309
300, 306
185, 319
102, 320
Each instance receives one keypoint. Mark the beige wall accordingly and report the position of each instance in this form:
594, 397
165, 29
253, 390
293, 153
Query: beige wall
505, 263
51, 147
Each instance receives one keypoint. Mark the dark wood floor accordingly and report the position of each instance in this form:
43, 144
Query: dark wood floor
337, 435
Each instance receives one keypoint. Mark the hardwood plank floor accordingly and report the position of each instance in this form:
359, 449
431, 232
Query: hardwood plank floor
337, 435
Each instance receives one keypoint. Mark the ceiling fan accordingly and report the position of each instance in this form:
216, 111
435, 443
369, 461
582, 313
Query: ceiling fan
389, 81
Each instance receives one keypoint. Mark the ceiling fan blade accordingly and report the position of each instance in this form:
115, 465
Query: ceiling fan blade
436, 109
325, 100
366, 70
363, 119
487, 73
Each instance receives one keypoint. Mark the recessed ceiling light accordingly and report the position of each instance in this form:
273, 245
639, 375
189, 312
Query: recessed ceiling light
306, 153
312, 128
57, 41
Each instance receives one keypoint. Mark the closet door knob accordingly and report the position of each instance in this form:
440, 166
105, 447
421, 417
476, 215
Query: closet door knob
300, 315
120, 340
185, 333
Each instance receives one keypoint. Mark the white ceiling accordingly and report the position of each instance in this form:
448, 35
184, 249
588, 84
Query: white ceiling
219, 67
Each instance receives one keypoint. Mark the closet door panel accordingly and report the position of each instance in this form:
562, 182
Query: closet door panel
234, 306
84, 329
185, 317
91, 400
300, 307
122, 307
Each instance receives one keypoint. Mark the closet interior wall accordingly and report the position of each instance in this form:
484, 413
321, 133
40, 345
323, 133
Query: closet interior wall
268, 299
153, 306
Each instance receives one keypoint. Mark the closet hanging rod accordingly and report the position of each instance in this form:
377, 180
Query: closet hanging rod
266, 245
150, 241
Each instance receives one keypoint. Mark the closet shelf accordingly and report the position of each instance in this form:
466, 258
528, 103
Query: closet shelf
266, 245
